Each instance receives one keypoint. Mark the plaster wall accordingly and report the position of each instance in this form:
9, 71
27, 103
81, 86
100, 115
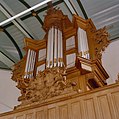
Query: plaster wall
8, 92
110, 60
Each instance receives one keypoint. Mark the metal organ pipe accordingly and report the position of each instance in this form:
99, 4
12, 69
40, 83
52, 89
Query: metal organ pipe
30, 63
33, 57
48, 48
59, 47
51, 47
34, 60
83, 43
26, 68
24, 12
87, 52
54, 48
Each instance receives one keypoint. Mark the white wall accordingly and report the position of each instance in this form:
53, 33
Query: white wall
110, 60
8, 91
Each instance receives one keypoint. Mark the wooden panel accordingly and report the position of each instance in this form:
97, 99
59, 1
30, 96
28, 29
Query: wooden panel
104, 107
29, 116
52, 113
10, 118
20, 117
76, 110
102, 103
89, 109
40, 115
63, 112
115, 97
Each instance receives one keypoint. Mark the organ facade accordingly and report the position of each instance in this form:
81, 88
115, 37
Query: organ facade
67, 59
61, 76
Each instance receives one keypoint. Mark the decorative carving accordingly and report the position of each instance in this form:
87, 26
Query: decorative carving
52, 81
55, 17
101, 41
49, 83
18, 70
117, 81
97, 39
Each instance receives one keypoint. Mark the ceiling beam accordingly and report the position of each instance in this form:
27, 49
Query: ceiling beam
9, 15
14, 42
5, 68
8, 55
74, 7
17, 22
6, 60
34, 13
114, 39
82, 9
38, 11
24, 12
45, 8
71, 9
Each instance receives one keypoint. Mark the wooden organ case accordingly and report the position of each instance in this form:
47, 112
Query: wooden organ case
62, 68
67, 59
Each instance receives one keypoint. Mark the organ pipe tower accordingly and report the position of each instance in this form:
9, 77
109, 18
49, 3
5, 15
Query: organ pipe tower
67, 59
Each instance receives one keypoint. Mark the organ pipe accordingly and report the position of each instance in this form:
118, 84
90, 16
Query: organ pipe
27, 63
61, 49
54, 48
51, 53
83, 43
30, 63
48, 48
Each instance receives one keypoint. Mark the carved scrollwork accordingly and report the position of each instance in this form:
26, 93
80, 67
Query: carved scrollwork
48, 83
101, 41
18, 70
117, 81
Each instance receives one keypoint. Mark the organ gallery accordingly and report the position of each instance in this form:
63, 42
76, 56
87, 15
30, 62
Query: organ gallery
61, 76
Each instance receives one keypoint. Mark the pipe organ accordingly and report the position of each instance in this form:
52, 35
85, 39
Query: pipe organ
66, 60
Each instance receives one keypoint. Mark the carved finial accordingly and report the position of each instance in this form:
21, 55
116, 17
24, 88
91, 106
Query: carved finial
117, 81
50, 8
50, 5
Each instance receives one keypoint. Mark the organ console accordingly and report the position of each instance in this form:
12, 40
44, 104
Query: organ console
67, 59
